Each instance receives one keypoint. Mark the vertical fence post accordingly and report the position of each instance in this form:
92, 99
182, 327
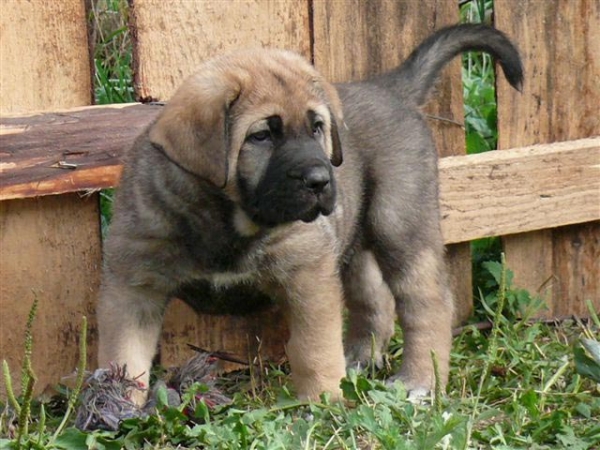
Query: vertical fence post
559, 42
49, 246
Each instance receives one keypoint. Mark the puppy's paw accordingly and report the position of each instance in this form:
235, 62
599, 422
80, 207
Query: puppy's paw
139, 397
419, 396
362, 356
417, 393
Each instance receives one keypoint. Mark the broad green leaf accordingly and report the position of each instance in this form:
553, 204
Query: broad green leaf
585, 365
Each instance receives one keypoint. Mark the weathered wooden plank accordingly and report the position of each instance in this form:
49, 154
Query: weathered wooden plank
559, 44
488, 194
355, 39
50, 250
580, 266
69, 151
43, 68
375, 36
173, 38
49, 247
518, 190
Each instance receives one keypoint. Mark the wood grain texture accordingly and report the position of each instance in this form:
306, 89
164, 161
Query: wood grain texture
534, 271
173, 38
67, 151
577, 267
44, 63
246, 337
49, 247
519, 190
559, 44
355, 39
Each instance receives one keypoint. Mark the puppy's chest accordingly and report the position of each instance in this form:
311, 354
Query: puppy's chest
225, 263
228, 279
260, 264
225, 292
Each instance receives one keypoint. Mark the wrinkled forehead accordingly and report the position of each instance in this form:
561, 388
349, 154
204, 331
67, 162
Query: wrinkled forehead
278, 83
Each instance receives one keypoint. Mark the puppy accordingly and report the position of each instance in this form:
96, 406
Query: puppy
261, 182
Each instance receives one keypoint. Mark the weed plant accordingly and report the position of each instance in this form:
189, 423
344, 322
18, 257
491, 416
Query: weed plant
113, 75
479, 91
481, 131
521, 385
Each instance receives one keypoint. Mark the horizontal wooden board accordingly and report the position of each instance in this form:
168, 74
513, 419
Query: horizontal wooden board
519, 190
68, 151
560, 45
489, 194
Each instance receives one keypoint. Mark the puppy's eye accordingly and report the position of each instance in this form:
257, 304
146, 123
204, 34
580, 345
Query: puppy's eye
317, 128
260, 136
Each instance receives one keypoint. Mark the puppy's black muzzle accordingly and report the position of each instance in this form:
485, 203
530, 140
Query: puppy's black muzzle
315, 177
297, 185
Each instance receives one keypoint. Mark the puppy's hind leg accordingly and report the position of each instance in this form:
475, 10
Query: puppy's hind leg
129, 324
371, 311
425, 308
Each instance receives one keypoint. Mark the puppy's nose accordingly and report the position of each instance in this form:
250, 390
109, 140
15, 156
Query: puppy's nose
315, 178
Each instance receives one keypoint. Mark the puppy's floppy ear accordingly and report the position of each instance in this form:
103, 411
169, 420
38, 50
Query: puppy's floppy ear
193, 129
336, 145
336, 114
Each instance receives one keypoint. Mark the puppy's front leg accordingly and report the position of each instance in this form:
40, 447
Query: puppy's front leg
425, 309
129, 324
314, 314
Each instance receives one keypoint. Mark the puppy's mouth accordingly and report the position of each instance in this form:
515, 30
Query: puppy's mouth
321, 208
276, 210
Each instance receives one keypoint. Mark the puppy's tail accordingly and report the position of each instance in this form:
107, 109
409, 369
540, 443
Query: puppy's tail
416, 76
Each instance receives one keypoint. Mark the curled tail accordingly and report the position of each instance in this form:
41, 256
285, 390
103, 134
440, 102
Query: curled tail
416, 76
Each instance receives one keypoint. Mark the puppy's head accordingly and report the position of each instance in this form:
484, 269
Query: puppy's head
263, 126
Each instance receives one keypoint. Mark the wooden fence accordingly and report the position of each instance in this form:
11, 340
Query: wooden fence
56, 152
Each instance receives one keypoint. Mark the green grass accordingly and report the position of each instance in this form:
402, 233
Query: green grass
523, 384
113, 77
